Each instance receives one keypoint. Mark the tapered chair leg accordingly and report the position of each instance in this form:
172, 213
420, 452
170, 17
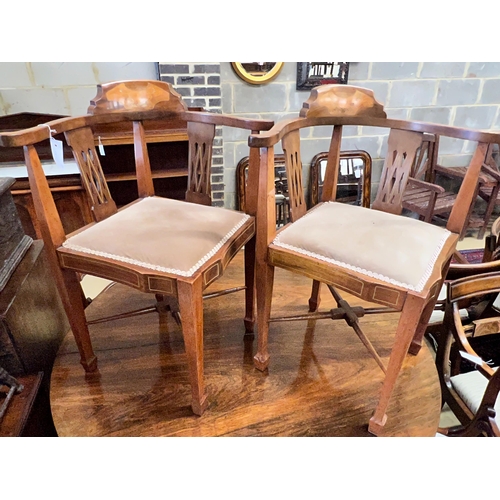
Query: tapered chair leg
408, 321
418, 337
190, 296
315, 299
265, 275
70, 292
250, 287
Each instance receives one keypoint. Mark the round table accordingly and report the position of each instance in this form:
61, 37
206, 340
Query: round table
321, 381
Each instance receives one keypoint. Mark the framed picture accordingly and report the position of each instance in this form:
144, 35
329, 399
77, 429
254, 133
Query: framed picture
312, 74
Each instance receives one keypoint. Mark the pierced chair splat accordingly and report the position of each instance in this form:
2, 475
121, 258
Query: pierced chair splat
170, 248
375, 254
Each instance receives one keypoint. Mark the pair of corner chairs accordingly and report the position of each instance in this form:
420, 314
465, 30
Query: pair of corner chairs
372, 253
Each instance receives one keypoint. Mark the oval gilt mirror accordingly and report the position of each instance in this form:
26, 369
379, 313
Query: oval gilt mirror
257, 73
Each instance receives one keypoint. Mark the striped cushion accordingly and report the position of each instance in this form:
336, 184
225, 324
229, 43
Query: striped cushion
470, 387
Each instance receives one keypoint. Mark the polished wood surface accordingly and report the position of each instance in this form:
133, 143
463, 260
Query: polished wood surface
322, 381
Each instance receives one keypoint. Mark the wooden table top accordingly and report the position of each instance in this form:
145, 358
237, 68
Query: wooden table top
321, 381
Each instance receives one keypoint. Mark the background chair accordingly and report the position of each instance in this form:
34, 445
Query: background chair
470, 382
281, 188
462, 269
488, 188
173, 249
374, 254
421, 194
355, 177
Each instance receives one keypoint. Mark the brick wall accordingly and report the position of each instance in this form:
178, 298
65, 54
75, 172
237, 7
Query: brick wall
458, 93
455, 93
199, 84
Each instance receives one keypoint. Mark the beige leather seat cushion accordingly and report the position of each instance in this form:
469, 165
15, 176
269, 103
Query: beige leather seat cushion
161, 234
391, 248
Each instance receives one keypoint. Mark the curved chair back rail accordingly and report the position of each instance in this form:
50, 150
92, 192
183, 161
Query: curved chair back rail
170, 248
37, 134
276, 133
375, 254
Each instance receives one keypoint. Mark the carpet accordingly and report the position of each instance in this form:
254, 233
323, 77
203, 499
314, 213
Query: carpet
472, 256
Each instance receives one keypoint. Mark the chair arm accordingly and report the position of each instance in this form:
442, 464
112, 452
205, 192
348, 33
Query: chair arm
427, 185
481, 366
490, 171
449, 172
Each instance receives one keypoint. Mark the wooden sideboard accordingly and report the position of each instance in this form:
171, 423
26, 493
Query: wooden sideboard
168, 149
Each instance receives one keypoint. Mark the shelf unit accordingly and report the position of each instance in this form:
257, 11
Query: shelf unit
168, 151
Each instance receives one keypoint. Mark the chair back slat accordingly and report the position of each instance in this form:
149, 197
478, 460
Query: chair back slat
402, 149
145, 185
81, 141
293, 165
201, 137
332, 166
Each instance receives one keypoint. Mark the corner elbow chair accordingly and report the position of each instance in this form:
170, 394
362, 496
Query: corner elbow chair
173, 249
375, 254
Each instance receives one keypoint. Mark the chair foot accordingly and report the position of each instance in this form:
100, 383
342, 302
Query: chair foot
199, 407
414, 348
249, 326
313, 306
89, 365
375, 426
315, 298
261, 361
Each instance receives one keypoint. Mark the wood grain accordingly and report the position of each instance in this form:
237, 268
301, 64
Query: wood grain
322, 381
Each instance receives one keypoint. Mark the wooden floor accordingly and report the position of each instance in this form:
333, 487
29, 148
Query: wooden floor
321, 381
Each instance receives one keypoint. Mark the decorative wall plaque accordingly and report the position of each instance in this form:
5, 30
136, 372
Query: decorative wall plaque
312, 74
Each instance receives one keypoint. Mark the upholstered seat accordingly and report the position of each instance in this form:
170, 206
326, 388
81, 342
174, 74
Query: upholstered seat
371, 242
471, 387
176, 237
170, 249
374, 254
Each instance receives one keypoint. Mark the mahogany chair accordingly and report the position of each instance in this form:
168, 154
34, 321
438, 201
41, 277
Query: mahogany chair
421, 195
374, 253
462, 269
173, 249
488, 188
469, 384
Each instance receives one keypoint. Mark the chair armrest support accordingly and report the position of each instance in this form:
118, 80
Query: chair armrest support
491, 172
427, 185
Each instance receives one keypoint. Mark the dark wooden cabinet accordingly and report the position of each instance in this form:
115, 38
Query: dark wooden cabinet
167, 147
168, 155
32, 323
